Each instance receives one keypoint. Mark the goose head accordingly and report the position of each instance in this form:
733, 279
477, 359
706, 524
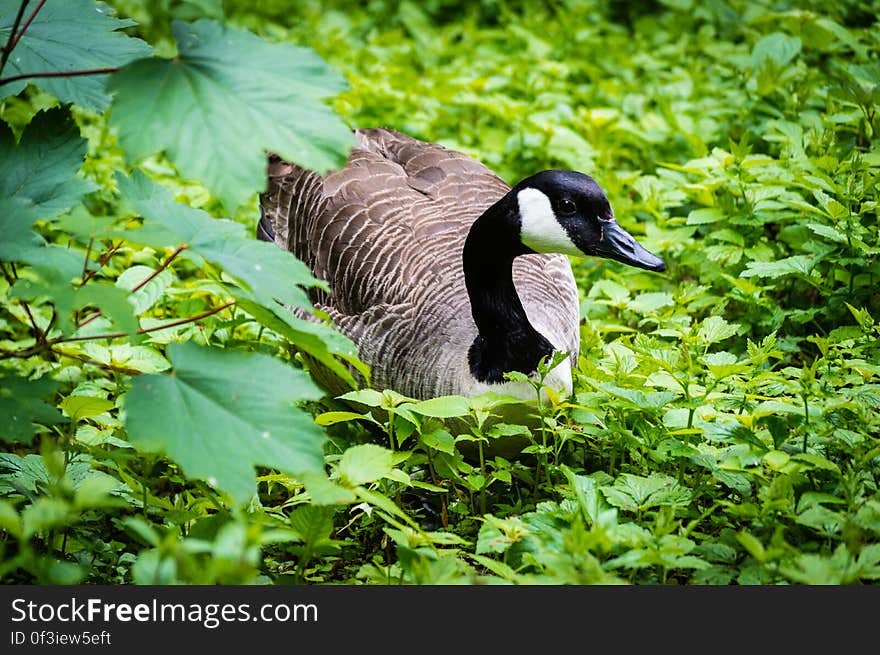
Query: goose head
551, 212
568, 212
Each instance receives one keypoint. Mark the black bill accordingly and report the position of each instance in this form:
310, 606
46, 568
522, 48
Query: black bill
619, 245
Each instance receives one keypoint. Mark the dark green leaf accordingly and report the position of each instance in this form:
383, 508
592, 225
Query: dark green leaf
42, 167
230, 82
224, 412
23, 404
68, 35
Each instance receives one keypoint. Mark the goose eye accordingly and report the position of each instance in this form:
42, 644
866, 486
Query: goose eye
567, 207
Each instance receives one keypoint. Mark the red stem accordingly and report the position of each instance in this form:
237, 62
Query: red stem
88, 320
101, 365
26, 25
103, 260
115, 335
92, 71
161, 268
7, 49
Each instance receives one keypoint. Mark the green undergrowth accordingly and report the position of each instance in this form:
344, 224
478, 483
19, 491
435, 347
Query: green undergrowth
159, 422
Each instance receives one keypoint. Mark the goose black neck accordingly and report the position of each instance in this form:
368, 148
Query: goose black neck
507, 341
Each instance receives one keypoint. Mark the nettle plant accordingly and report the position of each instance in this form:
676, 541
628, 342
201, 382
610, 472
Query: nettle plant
133, 323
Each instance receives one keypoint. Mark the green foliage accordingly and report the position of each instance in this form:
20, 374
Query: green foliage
723, 427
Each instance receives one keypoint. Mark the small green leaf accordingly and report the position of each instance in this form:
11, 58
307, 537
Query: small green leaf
313, 524
776, 459
476, 481
332, 418
365, 463
777, 47
705, 216
647, 303
80, 407
722, 364
324, 491
816, 461
145, 297
752, 545
641, 399
715, 328
795, 265
441, 407
440, 440
634, 492
828, 232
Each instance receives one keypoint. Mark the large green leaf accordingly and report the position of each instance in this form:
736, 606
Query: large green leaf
226, 98
68, 35
42, 167
220, 413
269, 273
38, 181
794, 265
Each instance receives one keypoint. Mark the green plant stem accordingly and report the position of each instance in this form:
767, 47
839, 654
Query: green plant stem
806, 421
390, 430
482, 474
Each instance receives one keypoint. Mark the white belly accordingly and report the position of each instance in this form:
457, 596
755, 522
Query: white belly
559, 379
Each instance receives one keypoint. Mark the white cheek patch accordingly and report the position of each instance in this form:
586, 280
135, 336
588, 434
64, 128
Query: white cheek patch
540, 230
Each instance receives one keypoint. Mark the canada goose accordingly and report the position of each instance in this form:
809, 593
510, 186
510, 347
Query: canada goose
421, 247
